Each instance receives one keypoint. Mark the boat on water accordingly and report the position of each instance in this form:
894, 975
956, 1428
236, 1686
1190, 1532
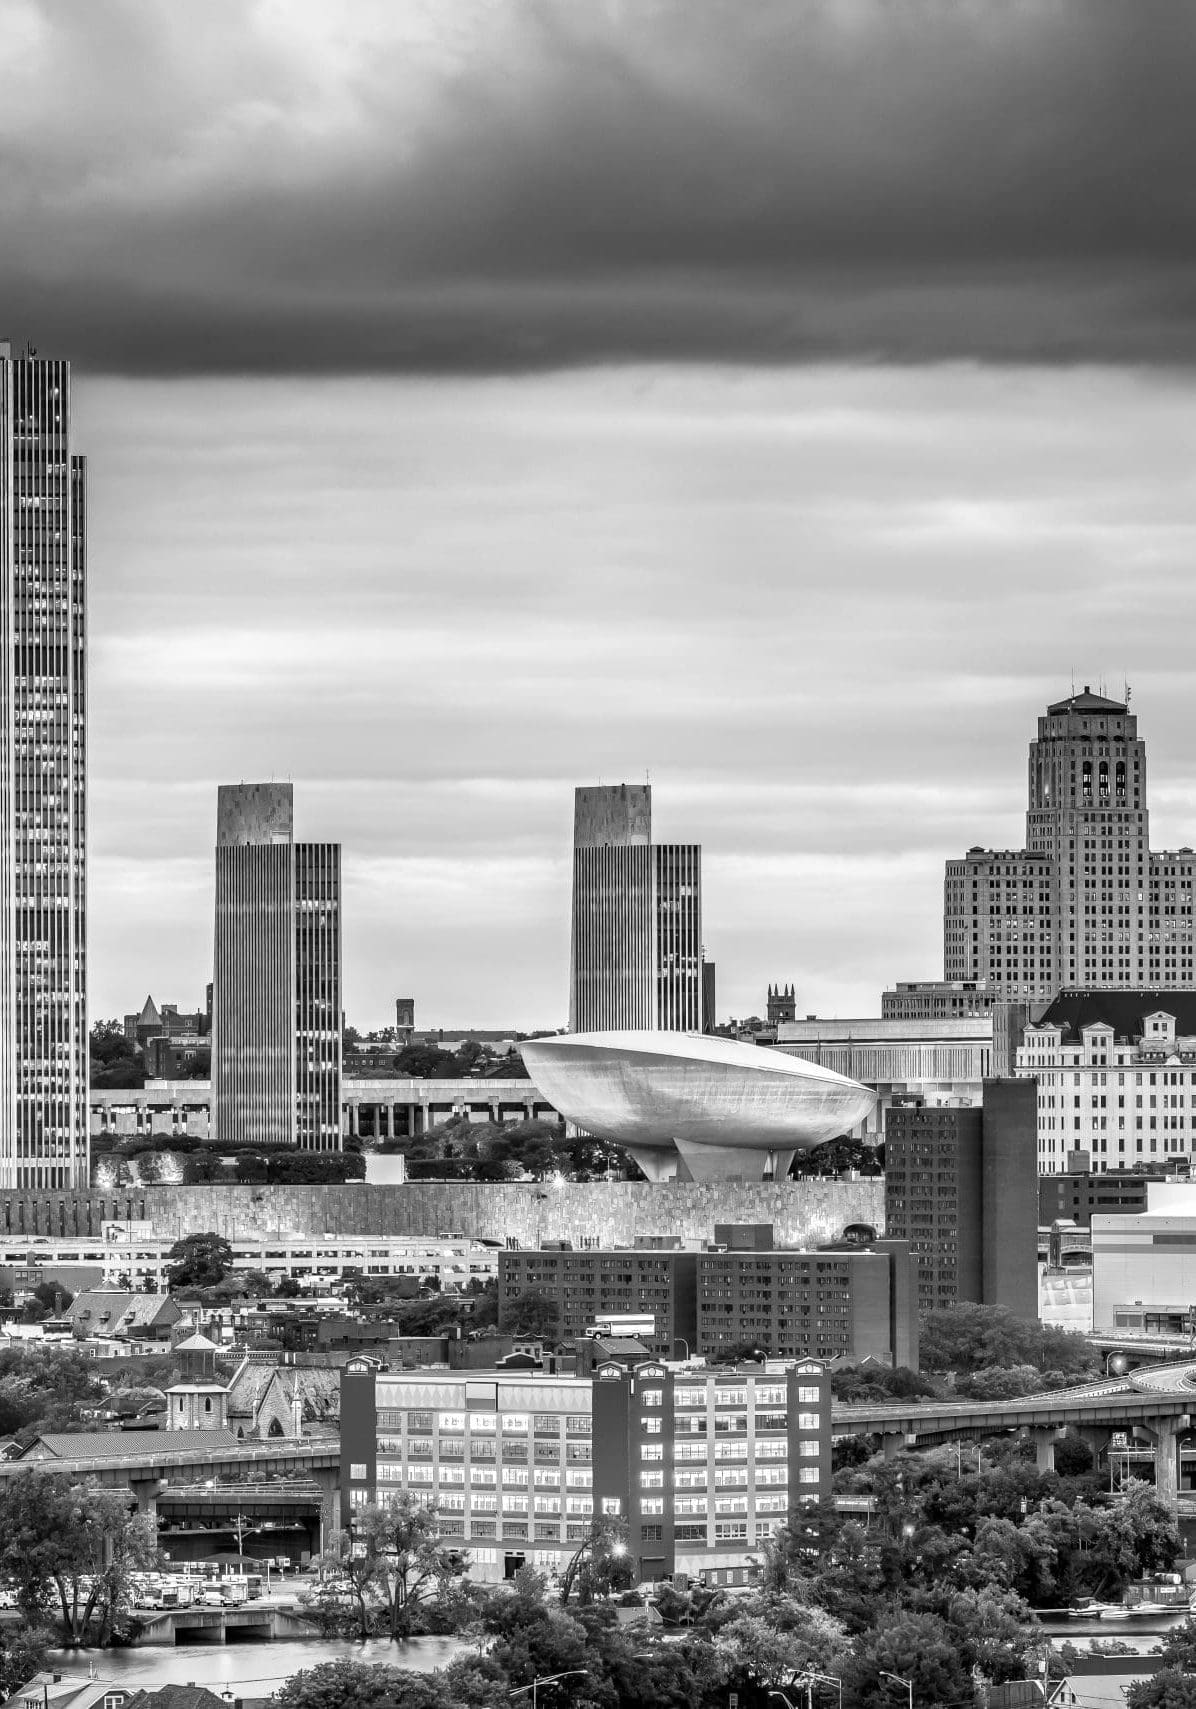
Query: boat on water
1088, 1608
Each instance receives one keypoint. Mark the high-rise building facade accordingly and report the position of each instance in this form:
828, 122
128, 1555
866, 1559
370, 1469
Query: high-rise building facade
961, 1186
636, 940
1085, 905
43, 780
276, 1009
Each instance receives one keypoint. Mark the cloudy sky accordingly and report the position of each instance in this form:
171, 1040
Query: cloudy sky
782, 400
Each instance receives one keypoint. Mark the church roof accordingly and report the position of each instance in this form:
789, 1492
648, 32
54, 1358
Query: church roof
149, 1016
1087, 702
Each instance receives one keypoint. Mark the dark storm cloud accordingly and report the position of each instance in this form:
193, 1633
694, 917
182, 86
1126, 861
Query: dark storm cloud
493, 187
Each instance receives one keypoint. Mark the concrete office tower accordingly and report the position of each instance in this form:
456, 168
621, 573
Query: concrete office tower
276, 1011
636, 943
1085, 905
43, 781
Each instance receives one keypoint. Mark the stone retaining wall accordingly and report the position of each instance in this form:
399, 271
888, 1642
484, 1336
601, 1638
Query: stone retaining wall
606, 1213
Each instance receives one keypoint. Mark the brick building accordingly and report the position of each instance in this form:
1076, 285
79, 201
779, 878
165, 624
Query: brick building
696, 1467
961, 1186
849, 1300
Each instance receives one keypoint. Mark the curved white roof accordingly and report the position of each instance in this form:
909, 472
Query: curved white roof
712, 1099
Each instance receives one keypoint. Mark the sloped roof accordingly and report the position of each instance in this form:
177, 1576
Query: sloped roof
69, 1692
177, 1697
248, 1388
116, 1444
1087, 702
149, 1016
196, 1343
1124, 1011
116, 1311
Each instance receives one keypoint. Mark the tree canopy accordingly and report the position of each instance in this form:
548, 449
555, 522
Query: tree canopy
199, 1261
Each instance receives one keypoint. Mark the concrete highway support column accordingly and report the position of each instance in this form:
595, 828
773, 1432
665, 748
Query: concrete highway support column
1165, 1433
330, 1505
1044, 1449
1096, 1437
145, 1492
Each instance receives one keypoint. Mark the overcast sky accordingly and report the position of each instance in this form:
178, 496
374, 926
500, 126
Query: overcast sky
781, 400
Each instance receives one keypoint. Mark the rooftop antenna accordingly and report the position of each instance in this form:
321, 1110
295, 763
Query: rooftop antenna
1128, 692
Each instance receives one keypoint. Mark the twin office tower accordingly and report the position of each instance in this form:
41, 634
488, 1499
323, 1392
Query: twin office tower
636, 956
276, 981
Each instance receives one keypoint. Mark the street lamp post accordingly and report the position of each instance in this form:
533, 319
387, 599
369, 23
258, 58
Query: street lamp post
546, 1679
897, 1680
826, 1679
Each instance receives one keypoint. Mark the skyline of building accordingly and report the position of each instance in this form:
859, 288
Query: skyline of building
636, 956
43, 780
1085, 905
276, 1005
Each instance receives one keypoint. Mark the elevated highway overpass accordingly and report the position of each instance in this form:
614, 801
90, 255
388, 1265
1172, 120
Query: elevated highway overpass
246, 1476
1158, 1401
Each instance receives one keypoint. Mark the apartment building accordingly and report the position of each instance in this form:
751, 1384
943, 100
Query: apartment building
694, 1467
852, 1300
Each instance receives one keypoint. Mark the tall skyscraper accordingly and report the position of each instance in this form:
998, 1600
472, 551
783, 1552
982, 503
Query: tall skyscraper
43, 780
276, 1008
1085, 905
636, 948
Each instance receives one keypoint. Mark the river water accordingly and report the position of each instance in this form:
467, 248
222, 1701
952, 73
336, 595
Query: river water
257, 1669
248, 1670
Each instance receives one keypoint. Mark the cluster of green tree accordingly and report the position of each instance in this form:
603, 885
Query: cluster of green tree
1174, 1685
980, 1351
939, 1592
487, 1151
283, 1168
202, 1160
116, 1062
44, 1388
839, 1157
202, 1266
997, 1356
475, 1307
430, 1062
68, 1550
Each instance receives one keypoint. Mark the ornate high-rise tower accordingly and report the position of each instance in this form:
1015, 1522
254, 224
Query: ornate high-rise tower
1085, 905
43, 780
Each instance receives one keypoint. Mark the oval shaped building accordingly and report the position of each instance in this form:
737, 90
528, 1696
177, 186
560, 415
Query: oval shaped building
725, 1110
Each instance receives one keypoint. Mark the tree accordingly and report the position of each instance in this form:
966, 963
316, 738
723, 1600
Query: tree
346, 1572
364, 1685
46, 1300
426, 1062
772, 1648
200, 1261
23, 1655
74, 1542
1170, 1688
533, 1313
971, 1337
1179, 1647
998, 1382
916, 1647
601, 1564
116, 1062
392, 1561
